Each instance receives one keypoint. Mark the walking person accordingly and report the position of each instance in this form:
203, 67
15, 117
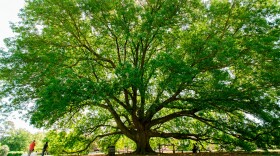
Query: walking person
31, 147
195, 148
45, 148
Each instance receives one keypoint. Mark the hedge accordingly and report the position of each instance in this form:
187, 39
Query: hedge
15, 153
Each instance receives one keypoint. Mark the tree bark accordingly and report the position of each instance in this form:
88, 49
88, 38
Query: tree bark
143, 144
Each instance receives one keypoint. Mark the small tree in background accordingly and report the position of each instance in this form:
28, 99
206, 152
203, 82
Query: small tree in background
17, 140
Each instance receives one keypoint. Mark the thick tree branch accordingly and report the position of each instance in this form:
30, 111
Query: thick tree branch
171, 116
118, 120
124, 105
158, 106
196, 137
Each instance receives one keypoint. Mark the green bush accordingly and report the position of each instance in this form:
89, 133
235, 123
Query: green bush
15, 153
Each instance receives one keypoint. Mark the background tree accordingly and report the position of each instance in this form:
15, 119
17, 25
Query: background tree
149, 68
6, 127
17, 139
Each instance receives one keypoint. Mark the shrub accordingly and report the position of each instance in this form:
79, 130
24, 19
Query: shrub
4, 150
15, 153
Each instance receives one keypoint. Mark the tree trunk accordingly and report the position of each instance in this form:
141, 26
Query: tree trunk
143, 144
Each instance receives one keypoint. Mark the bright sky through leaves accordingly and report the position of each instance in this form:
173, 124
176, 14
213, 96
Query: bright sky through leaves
9, 10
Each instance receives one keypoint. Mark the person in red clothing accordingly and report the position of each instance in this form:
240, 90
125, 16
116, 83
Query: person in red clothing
31, 147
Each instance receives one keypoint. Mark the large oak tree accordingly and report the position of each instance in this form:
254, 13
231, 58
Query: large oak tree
184, 69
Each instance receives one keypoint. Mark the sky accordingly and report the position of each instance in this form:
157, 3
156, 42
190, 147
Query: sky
9, 10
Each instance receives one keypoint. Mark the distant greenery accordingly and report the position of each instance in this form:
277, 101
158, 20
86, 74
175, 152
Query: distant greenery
19, 139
